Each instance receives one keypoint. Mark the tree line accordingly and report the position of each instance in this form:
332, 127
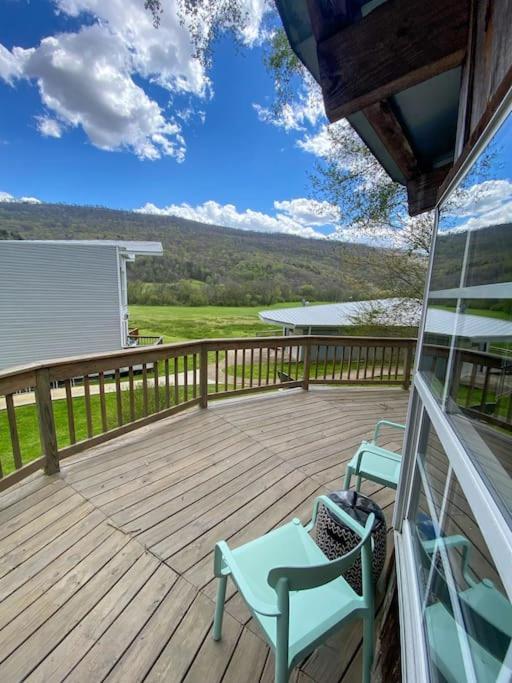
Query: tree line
207, 264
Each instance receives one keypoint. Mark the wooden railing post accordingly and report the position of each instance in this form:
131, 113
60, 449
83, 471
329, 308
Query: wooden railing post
408, 366
46, 420
307, 361
203, 376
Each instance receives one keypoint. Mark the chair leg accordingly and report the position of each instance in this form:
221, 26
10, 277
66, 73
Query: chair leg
219, 608
368, 645
358, 483
281, 669
348, 477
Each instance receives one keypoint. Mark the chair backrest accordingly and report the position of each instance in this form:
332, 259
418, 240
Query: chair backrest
312, 576
388, 423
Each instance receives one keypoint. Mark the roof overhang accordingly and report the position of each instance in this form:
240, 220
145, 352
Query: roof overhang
393, 69
129, 247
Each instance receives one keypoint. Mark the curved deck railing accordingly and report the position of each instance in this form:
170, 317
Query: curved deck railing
49, 411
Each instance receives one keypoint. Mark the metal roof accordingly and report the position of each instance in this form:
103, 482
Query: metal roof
132, 248
324, 315
475, 327
438, 321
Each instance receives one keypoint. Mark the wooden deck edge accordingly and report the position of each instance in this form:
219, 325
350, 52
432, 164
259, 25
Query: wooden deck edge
25, 471
254, 390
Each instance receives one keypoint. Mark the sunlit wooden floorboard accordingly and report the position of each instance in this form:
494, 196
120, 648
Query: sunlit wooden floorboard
106, 568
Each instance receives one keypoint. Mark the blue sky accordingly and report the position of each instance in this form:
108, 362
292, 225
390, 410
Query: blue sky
60, 140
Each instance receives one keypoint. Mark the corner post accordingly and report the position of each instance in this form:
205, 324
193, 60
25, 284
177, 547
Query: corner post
203, 376
307, 360
408, 366
46, 421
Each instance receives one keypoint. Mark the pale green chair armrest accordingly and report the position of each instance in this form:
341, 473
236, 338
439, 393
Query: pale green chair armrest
388, 423
224, 555
313, 576
455, 541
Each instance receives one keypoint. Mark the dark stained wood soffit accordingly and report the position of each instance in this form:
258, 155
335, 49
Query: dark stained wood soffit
399, 44
422, 191
422, 184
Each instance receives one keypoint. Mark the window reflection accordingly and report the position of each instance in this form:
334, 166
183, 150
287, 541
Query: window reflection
466, 356
467, 616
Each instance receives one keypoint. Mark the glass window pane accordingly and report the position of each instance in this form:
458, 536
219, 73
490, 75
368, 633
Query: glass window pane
467, 615
433, 463
466, 356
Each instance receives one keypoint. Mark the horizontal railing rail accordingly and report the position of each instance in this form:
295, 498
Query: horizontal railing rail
49, 411
144, 340
481, 382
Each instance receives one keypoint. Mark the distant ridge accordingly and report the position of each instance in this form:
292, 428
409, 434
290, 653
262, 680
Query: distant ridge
204, 263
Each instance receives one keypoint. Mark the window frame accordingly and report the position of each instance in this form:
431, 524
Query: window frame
493, 525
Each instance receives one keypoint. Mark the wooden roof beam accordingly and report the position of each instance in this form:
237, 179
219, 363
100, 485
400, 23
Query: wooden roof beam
422, 184
387, 127
423, 190
399, 44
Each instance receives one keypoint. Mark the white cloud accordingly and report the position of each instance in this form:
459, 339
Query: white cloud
9, 198
294, 217
255, 11
165, 55
305, 111
11, 63
84, 80
481, 205
50, 128
309, 211
318, 143
95, 78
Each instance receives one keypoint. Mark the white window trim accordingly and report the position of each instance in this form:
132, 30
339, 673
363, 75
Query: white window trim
414, 654
495, 530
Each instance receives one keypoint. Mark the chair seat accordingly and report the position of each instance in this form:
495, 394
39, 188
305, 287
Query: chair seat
445, 636
312, 612
490, 604
377, 464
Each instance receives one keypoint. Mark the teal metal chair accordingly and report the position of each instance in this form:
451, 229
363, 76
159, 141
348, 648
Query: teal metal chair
296, 595
373, 462
488, 611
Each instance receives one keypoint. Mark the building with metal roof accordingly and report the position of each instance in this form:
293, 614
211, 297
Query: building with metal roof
330, 318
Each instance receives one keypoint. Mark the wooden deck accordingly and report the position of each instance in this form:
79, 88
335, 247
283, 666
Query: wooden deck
106, 568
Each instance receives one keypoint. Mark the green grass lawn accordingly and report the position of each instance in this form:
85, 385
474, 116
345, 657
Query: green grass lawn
316, 371
179, 323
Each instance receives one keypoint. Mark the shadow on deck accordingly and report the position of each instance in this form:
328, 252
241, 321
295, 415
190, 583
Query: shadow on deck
106, 568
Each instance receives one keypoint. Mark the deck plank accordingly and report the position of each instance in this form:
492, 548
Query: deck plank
116, 640
106, 567
181, 650
139, 658
31, 637
213, 658
21, 588
19, 553
248, 660
78, 648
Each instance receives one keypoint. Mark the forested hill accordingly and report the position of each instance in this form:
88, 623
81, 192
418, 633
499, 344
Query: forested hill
204, 263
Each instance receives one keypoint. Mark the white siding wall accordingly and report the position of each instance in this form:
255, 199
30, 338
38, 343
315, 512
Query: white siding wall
57, 300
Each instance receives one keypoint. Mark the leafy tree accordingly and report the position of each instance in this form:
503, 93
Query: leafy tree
349, 176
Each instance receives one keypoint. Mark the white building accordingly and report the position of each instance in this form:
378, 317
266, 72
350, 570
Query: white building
64, 298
